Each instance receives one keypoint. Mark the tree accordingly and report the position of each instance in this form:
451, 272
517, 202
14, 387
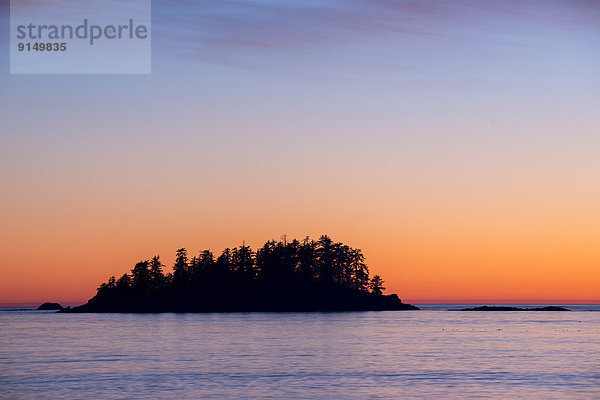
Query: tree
140, 275
376, 285
206, 263
267, 262
107, 287
325, 257
307, 260
180, 269
224, 264
243, 261
157, 278
124, 282
360, 271
341, 273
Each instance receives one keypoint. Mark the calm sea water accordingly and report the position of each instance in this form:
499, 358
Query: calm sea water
380, 355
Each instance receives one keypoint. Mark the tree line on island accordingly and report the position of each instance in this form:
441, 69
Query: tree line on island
282, 275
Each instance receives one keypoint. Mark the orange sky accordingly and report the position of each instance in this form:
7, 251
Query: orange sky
462, 246
447, 226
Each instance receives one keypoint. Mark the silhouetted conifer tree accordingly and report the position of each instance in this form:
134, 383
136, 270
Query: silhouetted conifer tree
242, 260
157, 278
180, 269
325, 254
307, 260
124, 282
376, 285
140, 276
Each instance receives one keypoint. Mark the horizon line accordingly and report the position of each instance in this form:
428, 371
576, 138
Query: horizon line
503, 301
415, 301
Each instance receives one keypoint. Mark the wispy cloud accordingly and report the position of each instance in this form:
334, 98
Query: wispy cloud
257, 33
246, 33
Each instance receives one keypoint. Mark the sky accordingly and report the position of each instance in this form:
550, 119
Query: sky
455, 142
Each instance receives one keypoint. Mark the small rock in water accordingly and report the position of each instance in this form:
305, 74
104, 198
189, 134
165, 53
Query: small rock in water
50, 306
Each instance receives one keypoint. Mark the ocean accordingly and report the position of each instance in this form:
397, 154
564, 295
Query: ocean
431, 354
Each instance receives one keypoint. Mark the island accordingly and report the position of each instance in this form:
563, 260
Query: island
509, 308
281, 276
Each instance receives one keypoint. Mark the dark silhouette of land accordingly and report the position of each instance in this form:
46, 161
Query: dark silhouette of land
50, 306
297, 275
508, 308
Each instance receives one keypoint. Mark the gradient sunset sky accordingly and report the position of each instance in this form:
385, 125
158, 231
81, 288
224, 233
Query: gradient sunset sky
456, 142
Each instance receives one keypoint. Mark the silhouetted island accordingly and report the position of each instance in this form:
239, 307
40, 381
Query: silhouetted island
508, 308
50, 306
283, 275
